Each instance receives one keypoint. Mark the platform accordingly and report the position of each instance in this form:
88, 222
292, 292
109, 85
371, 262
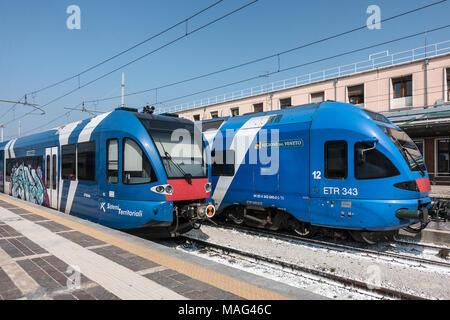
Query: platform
42, 249
442, 192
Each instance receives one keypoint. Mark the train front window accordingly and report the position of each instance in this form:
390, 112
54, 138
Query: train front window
182, 154
179, 144
407, 148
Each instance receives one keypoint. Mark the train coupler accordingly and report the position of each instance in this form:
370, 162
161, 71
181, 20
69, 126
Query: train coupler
421, 214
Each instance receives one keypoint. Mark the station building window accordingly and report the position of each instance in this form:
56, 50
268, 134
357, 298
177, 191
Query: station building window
285, 103
214, 114
402, 91
112, 161
196, 117
86, 161
222, 162
356, 94
336, 160
317, 97
136, 167
234, 112
259, 107
443, 157
68, 162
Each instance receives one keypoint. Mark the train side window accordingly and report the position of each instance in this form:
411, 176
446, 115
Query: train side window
47, 172
112, 161
372, 164
136, 167
222, 163
54, 172
336, 160
86, 161
68, 162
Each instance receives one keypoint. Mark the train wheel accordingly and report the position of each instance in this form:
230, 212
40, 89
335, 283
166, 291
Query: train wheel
300, 228
236, 214
364, 237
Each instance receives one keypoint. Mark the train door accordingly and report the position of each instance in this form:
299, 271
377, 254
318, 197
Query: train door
2, 170
329, 172
109, 182
51, 175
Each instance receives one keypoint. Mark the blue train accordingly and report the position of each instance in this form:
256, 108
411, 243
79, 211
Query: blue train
332, 165
121, 169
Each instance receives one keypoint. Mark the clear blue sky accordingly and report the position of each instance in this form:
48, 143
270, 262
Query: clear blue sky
38, 49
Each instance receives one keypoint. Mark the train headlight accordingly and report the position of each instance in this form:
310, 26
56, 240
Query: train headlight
208, 187
169, 189
163, 189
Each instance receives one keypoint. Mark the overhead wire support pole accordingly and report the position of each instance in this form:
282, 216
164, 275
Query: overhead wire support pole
18, 102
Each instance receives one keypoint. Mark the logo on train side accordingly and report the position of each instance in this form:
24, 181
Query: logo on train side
280, 144
107, 206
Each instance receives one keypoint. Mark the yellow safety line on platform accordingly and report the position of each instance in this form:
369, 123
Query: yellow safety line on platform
226, 283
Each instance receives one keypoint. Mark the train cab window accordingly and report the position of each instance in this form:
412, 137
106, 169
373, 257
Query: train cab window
336, 160
112, 161
68, 162
222, 163
136, 167
86, 161
370, 163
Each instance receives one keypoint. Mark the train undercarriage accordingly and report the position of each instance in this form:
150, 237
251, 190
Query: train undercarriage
277, 220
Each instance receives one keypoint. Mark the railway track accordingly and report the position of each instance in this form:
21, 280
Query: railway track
340, 246
346, 282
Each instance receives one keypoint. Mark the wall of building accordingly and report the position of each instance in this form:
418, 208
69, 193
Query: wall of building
378, 90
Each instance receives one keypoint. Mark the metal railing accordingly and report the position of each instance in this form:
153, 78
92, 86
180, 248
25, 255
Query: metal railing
375, 61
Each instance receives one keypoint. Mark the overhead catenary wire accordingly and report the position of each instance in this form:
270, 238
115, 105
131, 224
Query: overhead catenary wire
128, 49
439, 90
277, 55
304, 64
292, 67
145, 55
243, 64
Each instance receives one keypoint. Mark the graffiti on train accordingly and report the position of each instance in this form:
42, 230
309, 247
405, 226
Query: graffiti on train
27, 183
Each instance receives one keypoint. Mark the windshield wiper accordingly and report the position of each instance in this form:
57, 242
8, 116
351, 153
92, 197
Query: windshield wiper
187, 176
415, 161
408, 154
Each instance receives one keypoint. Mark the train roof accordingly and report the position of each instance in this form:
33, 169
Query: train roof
87, 126
299, 114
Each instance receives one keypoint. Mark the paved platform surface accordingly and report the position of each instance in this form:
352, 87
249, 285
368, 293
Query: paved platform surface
45, 254
440, 192
435, 232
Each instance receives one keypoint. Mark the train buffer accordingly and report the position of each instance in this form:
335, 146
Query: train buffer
45, 254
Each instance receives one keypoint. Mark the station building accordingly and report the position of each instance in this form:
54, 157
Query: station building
412, 88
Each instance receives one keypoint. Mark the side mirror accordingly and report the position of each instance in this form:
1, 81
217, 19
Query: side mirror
369, 144
360, 156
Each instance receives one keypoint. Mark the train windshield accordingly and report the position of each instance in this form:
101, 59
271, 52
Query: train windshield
180, 146
407, 148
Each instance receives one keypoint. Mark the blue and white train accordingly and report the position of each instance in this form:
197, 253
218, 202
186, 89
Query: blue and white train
331, 165
118, 169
